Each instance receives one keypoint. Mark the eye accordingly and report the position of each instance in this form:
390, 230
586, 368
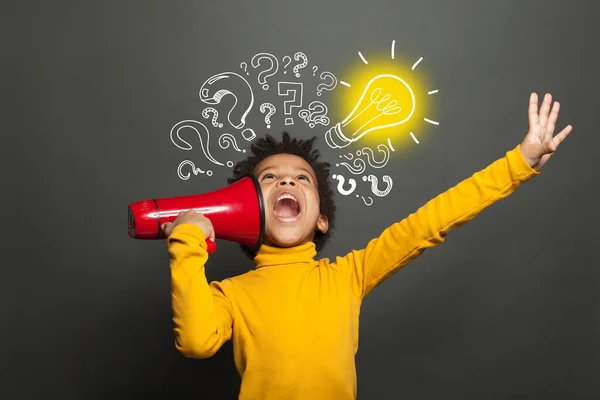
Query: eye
304, 177
268, 175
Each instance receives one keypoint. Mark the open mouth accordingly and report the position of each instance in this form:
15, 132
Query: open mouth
287, 207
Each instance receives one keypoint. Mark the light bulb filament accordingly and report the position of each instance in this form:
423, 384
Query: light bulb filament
387, 109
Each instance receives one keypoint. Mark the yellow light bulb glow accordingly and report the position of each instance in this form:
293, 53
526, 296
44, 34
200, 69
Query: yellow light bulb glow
386, 101
379, 99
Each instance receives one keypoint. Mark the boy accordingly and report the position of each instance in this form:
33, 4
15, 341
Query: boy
294, 319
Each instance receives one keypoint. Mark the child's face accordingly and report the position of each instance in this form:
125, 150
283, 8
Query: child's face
290, 192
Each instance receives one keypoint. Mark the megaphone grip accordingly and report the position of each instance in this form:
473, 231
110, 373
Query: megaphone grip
210, 246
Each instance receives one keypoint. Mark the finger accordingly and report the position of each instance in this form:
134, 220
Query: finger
553, 117
557, 140
167, 227
545, 109
533, 109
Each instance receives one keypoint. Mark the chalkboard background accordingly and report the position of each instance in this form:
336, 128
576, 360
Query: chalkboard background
508, 307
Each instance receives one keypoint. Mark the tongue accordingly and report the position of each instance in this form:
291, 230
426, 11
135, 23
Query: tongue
286, 208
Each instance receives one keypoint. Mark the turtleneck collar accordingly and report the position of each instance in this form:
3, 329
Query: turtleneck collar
268, 256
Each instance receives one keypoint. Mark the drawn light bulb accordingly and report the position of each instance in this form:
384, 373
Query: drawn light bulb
386, 101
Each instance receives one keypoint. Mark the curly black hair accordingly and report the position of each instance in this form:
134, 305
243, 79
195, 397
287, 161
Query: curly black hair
268, 146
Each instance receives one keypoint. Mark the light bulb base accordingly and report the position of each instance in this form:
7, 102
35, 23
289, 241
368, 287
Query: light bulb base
335, 138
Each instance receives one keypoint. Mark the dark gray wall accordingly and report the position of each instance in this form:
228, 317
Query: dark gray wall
508, 307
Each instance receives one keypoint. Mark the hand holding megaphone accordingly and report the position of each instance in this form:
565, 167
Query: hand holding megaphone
193, 218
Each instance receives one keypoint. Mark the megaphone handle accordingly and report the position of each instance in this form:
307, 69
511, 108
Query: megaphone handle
210, 246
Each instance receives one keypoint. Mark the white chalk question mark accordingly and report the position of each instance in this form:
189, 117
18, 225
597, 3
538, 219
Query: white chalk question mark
291, 88
271, 108
272, 70
195, 170
330, 86
206, 115
299, 55
373, 179
315, 68
286, 64
357, 168
340, 186
245, 67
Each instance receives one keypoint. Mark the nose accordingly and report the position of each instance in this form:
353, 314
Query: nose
287, 181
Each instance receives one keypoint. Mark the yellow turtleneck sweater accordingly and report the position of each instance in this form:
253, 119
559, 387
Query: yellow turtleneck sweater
294, 319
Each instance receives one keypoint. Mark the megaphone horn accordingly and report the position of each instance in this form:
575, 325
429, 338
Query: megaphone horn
236, 211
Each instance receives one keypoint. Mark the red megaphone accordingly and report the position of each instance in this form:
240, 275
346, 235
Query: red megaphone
237, 213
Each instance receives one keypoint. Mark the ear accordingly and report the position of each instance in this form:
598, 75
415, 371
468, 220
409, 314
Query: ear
322, 224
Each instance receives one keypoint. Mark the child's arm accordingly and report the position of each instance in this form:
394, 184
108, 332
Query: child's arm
427, 227
201, 312
405, 240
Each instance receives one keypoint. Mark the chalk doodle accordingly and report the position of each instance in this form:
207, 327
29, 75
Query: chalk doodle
315, 114
229, 84
229, 103
370, 156
264, 74
245, 67
374, 182
340, 187
326, 86
206, 115
271, 108
249, 134
367, 203
201, 132
195, 170
358, 166
295, 90
226, 140
285, 65
300, 56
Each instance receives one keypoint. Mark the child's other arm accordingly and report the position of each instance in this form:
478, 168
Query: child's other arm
201, 312
405, 240
427, 227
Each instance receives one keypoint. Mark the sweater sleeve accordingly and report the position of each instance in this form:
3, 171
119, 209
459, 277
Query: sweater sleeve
202, 312
405, 240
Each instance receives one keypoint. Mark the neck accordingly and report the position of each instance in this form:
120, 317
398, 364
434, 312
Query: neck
270, 256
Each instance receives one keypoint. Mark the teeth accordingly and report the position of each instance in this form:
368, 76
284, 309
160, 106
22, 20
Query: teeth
286, 196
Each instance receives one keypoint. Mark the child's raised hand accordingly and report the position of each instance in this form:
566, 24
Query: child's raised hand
540, 143
190, 217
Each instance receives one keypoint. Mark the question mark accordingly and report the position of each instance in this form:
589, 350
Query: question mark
227, 139
291, 88
203, 136
315, 68
387, 179
215, 116
368, 152
245, 66
357, 168
299, 55
195, 170
286, 64
272, 70
323, 86
340, 186
215, 88
271, 109
365, 201
312, 116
